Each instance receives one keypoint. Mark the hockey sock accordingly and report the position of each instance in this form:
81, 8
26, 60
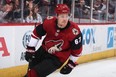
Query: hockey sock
32, 73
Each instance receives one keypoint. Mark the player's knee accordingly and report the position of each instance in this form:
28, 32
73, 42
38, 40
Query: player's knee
32, 73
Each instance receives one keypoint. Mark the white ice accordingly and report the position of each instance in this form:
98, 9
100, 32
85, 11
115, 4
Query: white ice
99, 68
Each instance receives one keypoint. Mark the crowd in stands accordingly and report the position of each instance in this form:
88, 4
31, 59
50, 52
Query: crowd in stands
82, 9
10, 12
35, 11
100, 7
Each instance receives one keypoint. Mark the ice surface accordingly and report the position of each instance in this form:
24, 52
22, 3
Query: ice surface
99, 68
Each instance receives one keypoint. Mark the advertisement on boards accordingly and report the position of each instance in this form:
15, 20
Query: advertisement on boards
22, 37
115, 37
11, 47
6, 46
88, 33
110, 37
13, 41
98, 38
99, 35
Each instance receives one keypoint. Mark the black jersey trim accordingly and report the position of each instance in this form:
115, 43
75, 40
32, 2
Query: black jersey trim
77, 42
40, 30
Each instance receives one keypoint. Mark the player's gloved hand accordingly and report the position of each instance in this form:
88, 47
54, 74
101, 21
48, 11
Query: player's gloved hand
30, 53
68, 67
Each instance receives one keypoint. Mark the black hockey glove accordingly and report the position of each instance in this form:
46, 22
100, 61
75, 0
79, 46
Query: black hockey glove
68, 67
30, 53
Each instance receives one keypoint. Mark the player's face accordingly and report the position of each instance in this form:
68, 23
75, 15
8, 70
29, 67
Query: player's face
63, 20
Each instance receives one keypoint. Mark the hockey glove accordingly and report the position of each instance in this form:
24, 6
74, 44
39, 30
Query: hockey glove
68, 67
30, 53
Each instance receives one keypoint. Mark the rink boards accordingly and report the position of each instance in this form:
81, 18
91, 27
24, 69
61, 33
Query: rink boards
99, 41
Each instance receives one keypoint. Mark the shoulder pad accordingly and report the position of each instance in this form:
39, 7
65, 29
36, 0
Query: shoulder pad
75, 31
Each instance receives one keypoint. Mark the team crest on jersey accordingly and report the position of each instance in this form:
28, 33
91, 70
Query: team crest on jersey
75, 31
57, 44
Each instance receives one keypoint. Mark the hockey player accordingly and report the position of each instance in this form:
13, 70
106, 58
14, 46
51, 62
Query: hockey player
62, 42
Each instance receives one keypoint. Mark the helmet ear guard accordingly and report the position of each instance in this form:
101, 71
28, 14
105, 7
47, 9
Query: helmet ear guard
62, 8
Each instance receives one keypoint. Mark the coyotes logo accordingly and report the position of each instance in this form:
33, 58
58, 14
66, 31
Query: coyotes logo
54, 45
